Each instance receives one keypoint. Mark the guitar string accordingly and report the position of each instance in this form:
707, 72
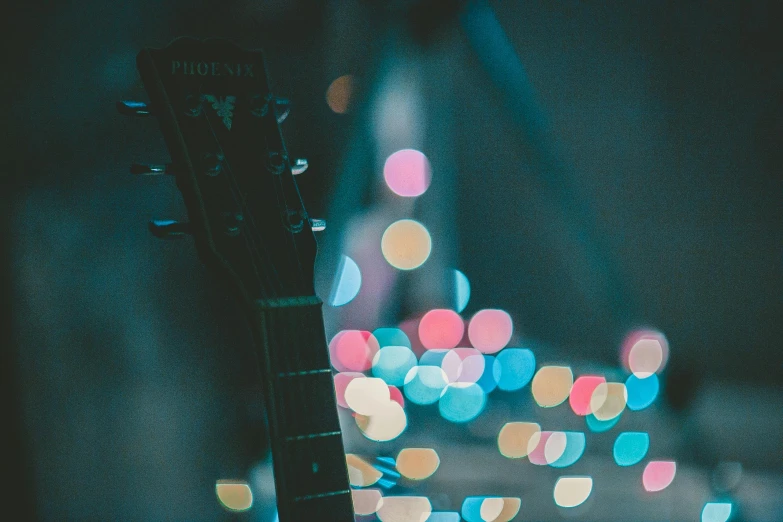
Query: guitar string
276, 133
275, 126
278, 137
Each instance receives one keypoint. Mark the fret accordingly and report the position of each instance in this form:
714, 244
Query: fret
306, 372
283, 302
323, 495
337, 507
315, 435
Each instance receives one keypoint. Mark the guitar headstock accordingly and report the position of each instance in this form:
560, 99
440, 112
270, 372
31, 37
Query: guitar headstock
220, 122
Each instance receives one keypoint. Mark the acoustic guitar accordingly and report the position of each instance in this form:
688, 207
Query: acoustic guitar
220, 122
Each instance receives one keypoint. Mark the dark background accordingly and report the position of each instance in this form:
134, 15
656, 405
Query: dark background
126, 389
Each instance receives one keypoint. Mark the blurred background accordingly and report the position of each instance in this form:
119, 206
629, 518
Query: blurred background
554, 230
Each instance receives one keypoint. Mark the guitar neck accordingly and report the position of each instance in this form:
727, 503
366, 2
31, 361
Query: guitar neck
221, 123
311, 477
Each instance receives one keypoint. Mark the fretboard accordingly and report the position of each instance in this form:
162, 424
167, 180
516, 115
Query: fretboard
311, 477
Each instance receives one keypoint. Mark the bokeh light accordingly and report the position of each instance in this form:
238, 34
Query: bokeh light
716, 512
488, 380
339, 92
644, 352
463, 365
424, 384
608, 400
366, 501
490, 330
396, 395
461, 291
462, 402
444, 516
388, 467
514, 369
392, 364
471, 509
575, 442
515, 438
641, 392
551, 385
510, 509
407, 173
645, 357
417, 463
630, 447
234, 495
386, 424
490, 509
353, 350
555, 446
391, 337
367, 395
582, 392
537, 448
341, 381
441, 328
600, 426
406, 244
658, 475
404, 509
361, 473
433, 358
572, 491
347, 282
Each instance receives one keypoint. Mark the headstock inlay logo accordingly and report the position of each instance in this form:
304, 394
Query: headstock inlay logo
223, 106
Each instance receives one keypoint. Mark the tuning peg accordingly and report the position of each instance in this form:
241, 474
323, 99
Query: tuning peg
317, 224
146, 169
299, 166
168, 229
133, 108
282, 108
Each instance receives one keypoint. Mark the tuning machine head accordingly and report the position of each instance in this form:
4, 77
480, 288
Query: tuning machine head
318, 225
133, 108
299, 166
169, 229
282, 109
150, 169
259, 106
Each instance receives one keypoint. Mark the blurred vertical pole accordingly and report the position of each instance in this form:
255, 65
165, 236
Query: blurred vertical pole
597, 273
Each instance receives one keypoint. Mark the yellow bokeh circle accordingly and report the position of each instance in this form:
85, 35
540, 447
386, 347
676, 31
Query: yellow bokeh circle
406, 244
